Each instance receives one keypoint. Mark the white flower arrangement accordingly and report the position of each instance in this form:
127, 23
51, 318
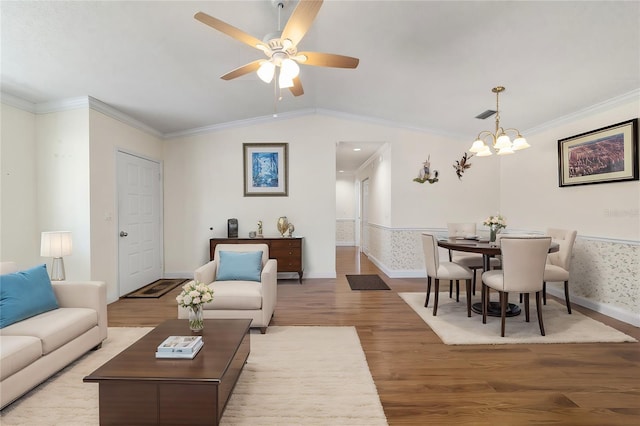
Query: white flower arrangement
194, 294
495, 222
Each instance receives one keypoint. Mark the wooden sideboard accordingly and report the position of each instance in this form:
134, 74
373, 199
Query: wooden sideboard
286, 250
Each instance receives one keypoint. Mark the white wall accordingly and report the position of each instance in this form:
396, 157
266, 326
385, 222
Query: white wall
346, 210
107, 136
18, 199
204, 188
610, 210
62, 153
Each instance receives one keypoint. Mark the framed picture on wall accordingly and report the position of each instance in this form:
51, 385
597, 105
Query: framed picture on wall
266, 169
609, 154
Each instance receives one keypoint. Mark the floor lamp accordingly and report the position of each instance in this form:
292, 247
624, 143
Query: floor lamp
56, 244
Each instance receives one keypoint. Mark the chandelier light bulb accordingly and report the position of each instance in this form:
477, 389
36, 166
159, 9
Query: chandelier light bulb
477, 146
484, 152
266, 71
503, 141
520, 143
505, 151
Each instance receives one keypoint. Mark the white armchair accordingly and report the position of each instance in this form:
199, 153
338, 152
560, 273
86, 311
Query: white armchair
233, 299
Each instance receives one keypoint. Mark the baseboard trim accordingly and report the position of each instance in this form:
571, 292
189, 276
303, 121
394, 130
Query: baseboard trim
603, 308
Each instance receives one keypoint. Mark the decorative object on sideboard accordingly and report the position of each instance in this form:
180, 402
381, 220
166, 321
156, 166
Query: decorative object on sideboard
283, 225
425, 174
56, 244
495, 224
291, 228
462, 165
608, 154
259, 235
232, 228
500, 140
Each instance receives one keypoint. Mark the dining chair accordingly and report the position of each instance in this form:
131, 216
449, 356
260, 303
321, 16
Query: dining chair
523, 264
473, 261
438, 270
557, 266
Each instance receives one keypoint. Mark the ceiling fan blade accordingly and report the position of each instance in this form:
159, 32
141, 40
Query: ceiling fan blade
296, 89
329, 60
245, 69
229, 30
300, 20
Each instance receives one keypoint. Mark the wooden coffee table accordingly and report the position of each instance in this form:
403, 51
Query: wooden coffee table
137, 388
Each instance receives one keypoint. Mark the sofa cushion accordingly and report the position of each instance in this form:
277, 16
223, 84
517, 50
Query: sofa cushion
55, 328
16, 352
235, 295
239, 266
25, 294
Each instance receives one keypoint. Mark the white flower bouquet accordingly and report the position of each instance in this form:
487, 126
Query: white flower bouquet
495, 222
195, 294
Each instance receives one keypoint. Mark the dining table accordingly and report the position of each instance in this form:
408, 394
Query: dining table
488, 249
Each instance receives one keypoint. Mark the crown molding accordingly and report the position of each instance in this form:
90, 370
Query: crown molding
17, 102
241, 123
633, 96
110, 111
62, 105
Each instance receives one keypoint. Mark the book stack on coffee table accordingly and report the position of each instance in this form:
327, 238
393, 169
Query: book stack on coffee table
180, 347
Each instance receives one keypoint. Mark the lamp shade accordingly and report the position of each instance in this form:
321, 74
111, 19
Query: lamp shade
55, 244
266, 71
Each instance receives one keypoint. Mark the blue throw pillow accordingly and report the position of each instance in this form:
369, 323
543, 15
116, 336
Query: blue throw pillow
239, 266
25, 294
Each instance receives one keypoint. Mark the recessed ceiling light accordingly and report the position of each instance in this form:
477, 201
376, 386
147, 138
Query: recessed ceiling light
340, 171
356, 149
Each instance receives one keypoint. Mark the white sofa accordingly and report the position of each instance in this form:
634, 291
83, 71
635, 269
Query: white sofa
33, 349
255, 300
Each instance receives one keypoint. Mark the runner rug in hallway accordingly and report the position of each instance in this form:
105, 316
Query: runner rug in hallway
293, 376
366, 282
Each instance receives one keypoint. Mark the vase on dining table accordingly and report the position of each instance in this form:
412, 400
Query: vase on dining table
493, 232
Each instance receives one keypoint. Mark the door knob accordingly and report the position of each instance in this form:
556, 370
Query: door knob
123, 234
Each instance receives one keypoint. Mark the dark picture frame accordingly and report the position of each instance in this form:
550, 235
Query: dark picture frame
266, 169
608, 154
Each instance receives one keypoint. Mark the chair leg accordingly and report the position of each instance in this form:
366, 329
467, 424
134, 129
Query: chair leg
468, 297
520, 297
426, 302
544, 292
457, 290
483, 293
436, 290
566, 296
526, 306
539, 308
504, 300
450, 289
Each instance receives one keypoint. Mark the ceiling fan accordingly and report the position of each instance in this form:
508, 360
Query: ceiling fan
281, 47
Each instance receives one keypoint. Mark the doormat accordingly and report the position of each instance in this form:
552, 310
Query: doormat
366, 282
156, 289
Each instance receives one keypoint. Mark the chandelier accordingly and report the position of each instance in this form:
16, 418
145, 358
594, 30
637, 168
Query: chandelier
500, 140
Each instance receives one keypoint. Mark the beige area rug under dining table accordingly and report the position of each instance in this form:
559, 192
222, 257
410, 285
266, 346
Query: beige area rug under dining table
453, 326
294, 376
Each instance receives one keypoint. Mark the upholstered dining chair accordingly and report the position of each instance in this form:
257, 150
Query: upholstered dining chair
472, 261
557, 267
523, 263
437, 271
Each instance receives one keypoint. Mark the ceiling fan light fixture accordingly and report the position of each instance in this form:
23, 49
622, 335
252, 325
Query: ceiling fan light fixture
285, 82
266, 71
289, 68
287, 44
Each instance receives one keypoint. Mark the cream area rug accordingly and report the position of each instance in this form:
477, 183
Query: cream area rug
294, 376
454, 327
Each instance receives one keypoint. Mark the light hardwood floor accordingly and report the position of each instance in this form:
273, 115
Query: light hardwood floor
421, 381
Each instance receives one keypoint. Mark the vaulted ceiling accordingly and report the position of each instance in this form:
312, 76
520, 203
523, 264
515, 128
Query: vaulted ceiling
423, 64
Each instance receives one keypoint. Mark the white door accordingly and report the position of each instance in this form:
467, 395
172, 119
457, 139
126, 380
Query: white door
139, 222
364, 223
